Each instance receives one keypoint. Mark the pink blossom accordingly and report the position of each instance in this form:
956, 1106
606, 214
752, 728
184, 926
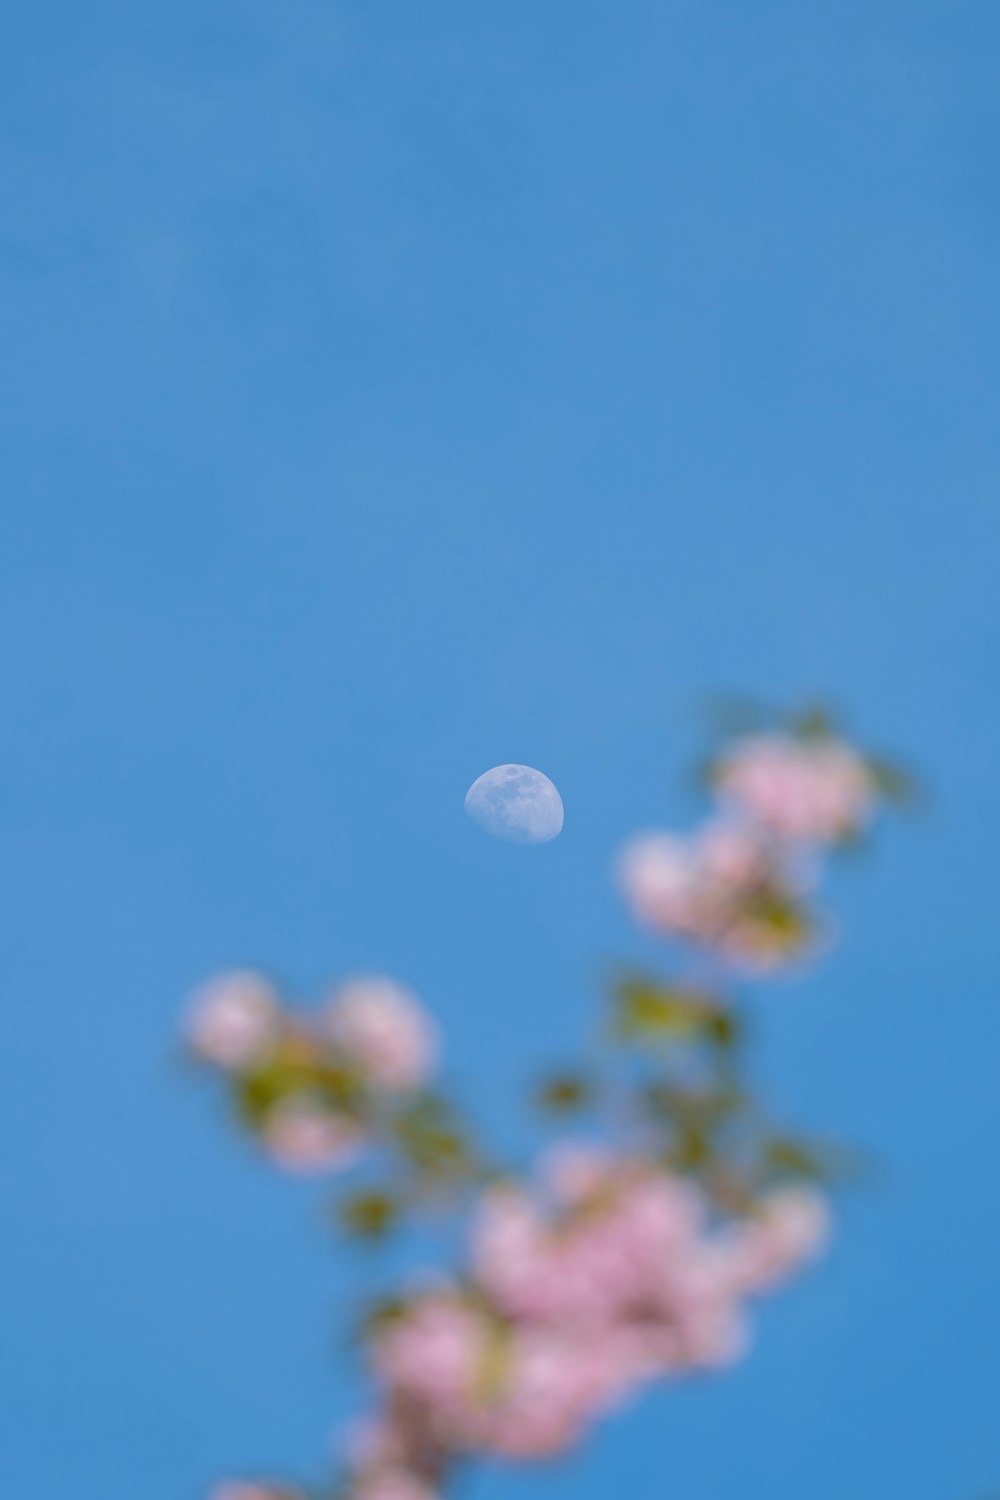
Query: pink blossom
488, 1383
725, 888
373, 1443
733, 857
303, 1136
237, 1489
659, 878
432, 1351
791, 1227
392, 1484
573, 1172
382, 1028
590, 1265
390, 1453
697, 1318
233, 1018
816, 791
609, 1275
639, 1267
554, 1385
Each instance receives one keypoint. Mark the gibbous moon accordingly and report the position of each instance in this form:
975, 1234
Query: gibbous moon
516, 803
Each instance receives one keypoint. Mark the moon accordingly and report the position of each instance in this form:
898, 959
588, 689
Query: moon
516, 803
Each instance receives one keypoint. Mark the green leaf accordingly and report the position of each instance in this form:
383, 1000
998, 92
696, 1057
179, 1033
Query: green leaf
702, 1109
380, 1313
648, 1012
563, 1093
778, 922
819, 1161
723, 1028
894, 782
691, 1151
705, 772
432, 1139
296, 1072
788, 1155
369, 1215
815, 722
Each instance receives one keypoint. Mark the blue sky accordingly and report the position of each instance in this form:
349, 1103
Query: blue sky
390, 390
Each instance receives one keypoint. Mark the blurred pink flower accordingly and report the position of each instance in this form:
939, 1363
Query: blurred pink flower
382, 1028
432, 1350
392, 1484
725, 887
233, 1018
637, 1270
731, 856
792, 1227
556, 1382
303, 1136
237, 1489
573, 1171
659, 878
374, 1443
486, 1383
815, 791
590, 1265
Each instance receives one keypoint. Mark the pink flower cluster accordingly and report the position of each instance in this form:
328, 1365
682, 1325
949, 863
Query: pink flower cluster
320, 1076
608, 1270
724, 888
610, 1276
815, 790
738, 887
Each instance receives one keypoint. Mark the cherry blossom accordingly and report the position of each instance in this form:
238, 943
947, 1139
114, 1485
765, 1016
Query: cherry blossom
485, 1383
392, 1484
791, 1226
232, 1019
578, 1298
723, 888
237, 1489
814, 790
381, 1027
302, 1135
610, 1266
